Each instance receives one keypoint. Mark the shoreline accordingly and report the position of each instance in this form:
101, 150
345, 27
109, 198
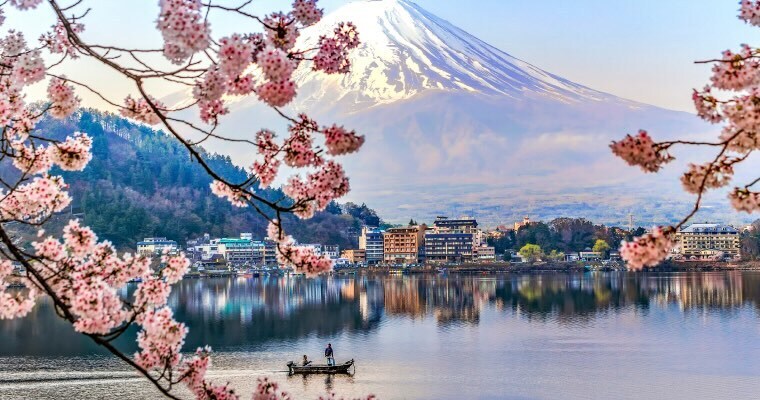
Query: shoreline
503, 268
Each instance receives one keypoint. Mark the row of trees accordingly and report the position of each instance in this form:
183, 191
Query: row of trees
534, 252
751, 242
563, 235
141, 184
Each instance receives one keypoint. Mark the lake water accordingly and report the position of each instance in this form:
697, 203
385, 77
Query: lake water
534, 336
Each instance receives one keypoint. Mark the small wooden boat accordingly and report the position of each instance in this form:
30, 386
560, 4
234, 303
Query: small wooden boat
294, 368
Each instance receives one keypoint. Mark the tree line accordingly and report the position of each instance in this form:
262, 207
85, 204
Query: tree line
560, 236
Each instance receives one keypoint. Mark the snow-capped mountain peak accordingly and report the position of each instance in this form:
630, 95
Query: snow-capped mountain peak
406, 50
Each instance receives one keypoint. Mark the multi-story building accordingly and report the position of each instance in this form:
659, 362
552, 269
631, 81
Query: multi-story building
331, 250
315, 247
485, 253
355, 256
589, 255
236, 251
270, 252
455, 225
371, 241
499, 232
519, 224
242, 251
448, 247
156, 245
708, 241
402, 245
452, 240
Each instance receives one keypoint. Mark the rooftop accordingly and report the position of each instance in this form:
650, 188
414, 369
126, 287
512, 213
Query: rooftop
709, 228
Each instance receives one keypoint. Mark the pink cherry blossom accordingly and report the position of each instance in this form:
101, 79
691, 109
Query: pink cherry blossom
184, 29
268, 390
306, 12
160, 340
86, 276
340, 141
36, 200
281, 32
235, 196
17, 303
95, 304
194, 369
744, 200
28, 68
707, 106
299, 151
648, 250
266, 169
152, 292
275, 64
318, 190
304, 259
140, 110
235, 54
63, 101
211, 110
73, 154
242, 85
277, 93
743, 112
58, 41
212, 86
31, 160
80, 241
749, 11
25, 4
176, 266
332, 57
347, 35
641, 151
708, 176
736, 71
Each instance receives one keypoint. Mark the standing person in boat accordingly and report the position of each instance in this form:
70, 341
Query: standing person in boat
329, 355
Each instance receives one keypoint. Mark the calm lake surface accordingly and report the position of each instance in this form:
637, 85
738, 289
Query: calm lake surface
538, 336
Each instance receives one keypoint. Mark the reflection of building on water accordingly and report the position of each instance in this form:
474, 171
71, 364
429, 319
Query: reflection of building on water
448, 299
239, 311
403, 296
706, 290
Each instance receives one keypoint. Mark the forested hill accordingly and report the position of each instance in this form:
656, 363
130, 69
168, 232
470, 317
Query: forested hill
142, 183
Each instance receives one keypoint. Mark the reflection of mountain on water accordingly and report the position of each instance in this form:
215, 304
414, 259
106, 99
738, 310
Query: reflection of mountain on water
237, 312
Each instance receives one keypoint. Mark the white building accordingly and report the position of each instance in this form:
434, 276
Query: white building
332, 251
708, 241
315, 247
156, 245
371, 241
486, 253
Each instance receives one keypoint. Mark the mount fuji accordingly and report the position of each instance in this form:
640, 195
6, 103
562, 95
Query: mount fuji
454, 125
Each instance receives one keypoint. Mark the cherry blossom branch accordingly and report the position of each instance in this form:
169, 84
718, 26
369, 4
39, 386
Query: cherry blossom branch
737, 72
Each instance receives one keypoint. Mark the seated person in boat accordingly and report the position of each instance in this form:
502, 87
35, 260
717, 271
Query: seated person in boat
306, 360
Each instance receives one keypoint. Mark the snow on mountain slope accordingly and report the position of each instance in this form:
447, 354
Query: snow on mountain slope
454, 125
406, 50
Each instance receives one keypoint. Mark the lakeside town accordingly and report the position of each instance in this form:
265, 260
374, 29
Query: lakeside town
459, 242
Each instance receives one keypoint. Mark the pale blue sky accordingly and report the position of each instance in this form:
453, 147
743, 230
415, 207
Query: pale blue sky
638, 49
